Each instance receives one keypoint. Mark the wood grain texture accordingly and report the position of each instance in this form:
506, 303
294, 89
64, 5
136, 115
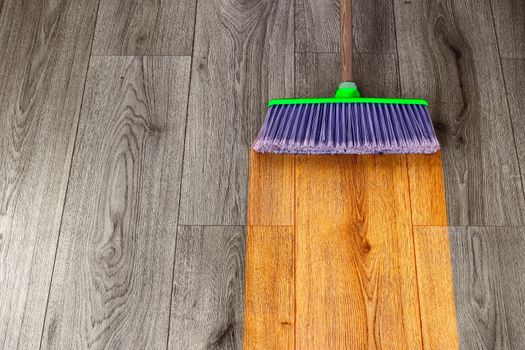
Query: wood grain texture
269, 306
377, 75
509, 20
489, 265
208, 288
317, 26
374, 27
436, 290
271, 189
243, 56
43, 64
514, 71
111, 284
134, 27
317, 74
448, 54
427, 190
353, 287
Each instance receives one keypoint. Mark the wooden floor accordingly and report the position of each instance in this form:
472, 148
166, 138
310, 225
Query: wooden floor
348, 252
124, 144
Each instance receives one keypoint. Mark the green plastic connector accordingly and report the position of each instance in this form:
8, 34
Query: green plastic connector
347, 90
348, 93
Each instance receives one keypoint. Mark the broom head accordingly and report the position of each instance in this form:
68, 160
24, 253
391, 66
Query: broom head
347, 124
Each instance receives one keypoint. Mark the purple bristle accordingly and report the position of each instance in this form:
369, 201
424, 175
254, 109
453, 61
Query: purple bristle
347, 128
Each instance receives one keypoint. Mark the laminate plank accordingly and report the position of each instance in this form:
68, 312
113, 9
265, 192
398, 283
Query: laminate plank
43, 64
208, 288
448, 54
514, 71
375, 74
374, 27
436, 290
317, 27
354, 287
269, 306
509, 20
111, 284
489, 265
427, 190
133, 27
316, 74
243, 56
270, 193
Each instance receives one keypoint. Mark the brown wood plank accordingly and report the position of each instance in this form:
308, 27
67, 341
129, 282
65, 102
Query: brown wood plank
427, 190
448, 54
208, 286
269, 305
509, 20
243, 56
436, 289
270, 189
44, 56
354, 288
317, 26
134, 27
489, 274
111, 284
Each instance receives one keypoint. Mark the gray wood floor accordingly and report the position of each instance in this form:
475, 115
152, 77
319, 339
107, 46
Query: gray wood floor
124, 134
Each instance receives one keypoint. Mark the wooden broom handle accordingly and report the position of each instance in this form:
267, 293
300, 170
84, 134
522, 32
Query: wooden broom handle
345, 45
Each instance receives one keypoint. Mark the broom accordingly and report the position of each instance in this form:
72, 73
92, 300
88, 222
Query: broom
347, 123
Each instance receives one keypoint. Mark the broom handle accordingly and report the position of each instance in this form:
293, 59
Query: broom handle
345, 45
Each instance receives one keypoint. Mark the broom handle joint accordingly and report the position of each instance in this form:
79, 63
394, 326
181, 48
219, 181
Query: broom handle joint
345, 44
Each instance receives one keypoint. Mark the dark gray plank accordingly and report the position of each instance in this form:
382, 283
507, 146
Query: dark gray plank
243, 56
514, 71
377, 74
208, 288
44, 55
317, 26
489, 278
134, 27
448, 54
509, 19
111, 284
374, 27
317, 74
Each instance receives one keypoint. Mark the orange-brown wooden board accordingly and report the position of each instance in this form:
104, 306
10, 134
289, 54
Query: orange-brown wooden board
270, 190
355, 270
349, 250
436, 292
269, 297
427, 189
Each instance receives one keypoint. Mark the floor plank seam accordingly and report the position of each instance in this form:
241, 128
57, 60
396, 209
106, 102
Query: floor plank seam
262, 226
198, 225
294, 252
142, 56
414, 253
68, 176
168, 337
512, 128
